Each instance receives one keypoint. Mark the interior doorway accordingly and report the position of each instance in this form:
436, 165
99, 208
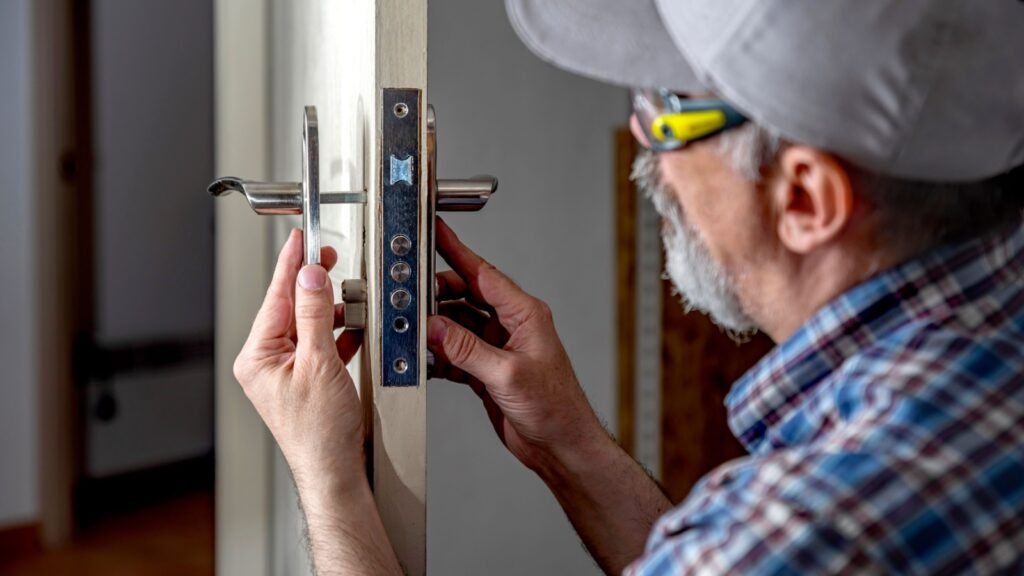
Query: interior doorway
124, 111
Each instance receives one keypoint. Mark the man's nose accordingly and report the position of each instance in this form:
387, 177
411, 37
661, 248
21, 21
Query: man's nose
638, 133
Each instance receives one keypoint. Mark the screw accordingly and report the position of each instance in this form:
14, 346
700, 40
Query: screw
401, 245
401, 365
401, 299
401, 109
401, 272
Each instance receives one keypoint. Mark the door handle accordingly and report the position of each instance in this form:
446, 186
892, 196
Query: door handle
293, 197
305, 198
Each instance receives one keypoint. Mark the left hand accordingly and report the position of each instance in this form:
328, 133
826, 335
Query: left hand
293, 371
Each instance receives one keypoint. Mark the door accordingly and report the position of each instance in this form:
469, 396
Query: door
273, 58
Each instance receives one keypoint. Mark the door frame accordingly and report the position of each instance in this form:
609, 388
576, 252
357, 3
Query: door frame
243, 445
63, 248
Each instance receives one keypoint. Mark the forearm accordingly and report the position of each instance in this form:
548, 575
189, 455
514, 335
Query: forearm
346, 535
610, 500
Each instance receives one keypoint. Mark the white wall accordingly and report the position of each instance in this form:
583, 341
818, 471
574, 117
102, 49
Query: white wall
17, 338
547, 136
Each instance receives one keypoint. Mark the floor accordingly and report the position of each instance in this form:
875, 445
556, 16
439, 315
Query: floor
172, 538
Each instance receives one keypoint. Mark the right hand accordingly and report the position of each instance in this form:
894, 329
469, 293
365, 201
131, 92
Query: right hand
501, 341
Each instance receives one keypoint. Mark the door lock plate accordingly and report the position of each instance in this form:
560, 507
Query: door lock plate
400, 173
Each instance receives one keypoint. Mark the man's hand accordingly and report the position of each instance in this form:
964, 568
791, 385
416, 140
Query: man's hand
293, 370
502, 342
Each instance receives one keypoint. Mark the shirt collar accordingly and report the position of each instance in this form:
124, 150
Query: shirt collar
930, 286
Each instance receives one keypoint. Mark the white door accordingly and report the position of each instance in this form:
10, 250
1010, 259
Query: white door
274, 57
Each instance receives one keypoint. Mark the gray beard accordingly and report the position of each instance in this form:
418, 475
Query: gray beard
701, 283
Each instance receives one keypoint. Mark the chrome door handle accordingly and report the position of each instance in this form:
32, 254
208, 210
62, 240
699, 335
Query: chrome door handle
302, 197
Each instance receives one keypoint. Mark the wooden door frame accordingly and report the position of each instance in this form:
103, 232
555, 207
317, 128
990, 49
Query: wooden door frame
63, 247
242, 146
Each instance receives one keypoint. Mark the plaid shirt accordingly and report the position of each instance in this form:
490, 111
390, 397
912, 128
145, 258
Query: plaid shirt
886, 436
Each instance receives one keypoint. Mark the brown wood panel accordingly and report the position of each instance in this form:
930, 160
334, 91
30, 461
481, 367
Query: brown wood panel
699, 365
64, 213
625, 295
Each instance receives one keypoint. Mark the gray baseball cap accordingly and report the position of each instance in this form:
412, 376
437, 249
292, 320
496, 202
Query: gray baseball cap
921, 89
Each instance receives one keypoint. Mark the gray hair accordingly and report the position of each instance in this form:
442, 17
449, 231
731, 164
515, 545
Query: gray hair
909, 214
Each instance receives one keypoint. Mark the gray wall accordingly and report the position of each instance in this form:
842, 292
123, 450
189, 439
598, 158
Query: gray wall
153, 138
17, 338
153, 122
547, 135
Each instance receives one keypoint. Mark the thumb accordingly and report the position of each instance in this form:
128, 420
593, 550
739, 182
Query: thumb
314, 312
465, 350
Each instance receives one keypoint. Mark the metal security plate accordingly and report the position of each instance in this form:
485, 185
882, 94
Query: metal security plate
401, 174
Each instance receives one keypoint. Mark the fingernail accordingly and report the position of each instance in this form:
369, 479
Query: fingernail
436, 331
312, 277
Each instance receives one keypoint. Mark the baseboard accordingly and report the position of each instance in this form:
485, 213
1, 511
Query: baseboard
99, 498
19, 540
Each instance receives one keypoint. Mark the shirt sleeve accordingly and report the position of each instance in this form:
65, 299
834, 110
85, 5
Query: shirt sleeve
771, 515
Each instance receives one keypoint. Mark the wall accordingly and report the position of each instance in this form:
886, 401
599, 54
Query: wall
153, 138
154, 157
547, 136
17, 354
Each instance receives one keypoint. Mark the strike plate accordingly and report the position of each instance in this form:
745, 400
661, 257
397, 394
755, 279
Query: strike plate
400, 211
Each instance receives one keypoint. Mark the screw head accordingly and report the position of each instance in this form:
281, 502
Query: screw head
401, 299
401, 245
401, 272
401, 365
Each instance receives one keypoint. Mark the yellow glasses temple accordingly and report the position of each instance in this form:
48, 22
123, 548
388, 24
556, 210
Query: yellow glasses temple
688, 125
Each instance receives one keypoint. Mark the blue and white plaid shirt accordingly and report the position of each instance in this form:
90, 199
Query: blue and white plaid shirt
886, 436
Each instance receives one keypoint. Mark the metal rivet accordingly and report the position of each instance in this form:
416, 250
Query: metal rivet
401, 245
401, 299
401, 109
401, 272
401, 365
401, 324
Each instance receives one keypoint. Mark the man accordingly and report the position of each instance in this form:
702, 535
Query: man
843, 175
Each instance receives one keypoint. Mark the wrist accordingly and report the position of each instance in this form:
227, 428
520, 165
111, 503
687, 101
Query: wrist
330, 478
577, 458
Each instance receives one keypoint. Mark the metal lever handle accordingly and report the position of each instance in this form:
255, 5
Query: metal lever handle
277, 197
465, 195
294, 197
461, 195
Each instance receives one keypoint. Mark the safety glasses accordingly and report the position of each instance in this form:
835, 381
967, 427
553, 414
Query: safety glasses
670, 121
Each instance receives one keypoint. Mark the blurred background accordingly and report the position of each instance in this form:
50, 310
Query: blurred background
106, 133
108, 399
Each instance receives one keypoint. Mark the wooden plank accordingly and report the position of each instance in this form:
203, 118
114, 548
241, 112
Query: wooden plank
62, 202
700, 364
399, 465
625, 284
243, 481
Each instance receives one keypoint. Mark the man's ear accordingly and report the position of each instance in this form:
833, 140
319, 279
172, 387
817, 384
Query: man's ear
812, 198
